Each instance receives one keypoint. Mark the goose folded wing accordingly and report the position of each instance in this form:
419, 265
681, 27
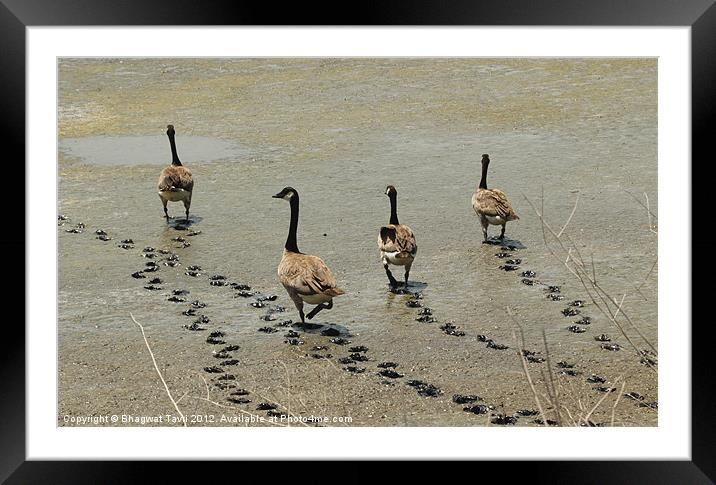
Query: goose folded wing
176, 177
311, 278
494, 203
398, 239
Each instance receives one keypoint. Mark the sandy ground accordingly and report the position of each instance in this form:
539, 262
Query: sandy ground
339, 131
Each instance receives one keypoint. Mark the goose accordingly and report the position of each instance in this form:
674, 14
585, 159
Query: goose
306, 278
396, 241
491, 205
175, 182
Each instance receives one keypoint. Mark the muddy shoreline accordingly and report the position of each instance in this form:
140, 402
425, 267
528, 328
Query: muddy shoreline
443, 353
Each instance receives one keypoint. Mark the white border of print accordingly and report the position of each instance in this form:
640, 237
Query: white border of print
670, 440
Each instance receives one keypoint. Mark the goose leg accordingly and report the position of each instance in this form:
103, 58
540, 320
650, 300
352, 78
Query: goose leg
166, 214
483, 221
407, 272
318, 308
186, 206
299, 306
393, 281
502, 234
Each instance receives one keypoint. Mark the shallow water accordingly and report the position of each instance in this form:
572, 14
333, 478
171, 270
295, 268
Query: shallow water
339, 131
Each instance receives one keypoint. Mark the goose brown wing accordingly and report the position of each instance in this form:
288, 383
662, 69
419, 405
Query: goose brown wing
494, 203
397, 238
177, 177
308, 275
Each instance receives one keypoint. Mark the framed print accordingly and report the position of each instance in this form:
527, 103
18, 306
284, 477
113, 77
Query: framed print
484, 200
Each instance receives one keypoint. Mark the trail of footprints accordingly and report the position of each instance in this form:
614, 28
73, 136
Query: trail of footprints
357, 355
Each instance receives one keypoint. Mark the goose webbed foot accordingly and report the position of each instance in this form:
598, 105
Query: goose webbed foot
318, 308
393, 282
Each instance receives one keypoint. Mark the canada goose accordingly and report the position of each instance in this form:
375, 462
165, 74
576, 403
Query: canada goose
396, 241
491, 205
175, 182
306, 278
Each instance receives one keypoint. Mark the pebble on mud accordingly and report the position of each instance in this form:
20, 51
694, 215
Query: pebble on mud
268, 330
391, 374
213, 370
387, 365
503, 255
503, 419
576, 329
564, 365
176, 299
555, 297
584, 321
611, 347
509, 267
494, 345
152, 287
477, 409
450, 329
195, 327
425, 389
340, 341
138, 274
602, 338
189, 313
465, 398
293, 341
198, 304
527, 281
527, 412
605, 389
359, 348
413, 304
577, 303
595, 379
230, 362
214, 341
570, 312
634, 395
529, 274
515, 261
354, 369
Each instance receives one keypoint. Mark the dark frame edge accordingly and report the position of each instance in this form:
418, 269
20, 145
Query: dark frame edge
12, 131
703, 115
15, 469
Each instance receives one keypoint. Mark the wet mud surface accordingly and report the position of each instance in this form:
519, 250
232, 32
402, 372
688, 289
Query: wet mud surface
439, 353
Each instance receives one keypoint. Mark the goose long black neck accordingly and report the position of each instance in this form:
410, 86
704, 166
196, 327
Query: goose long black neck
291, 243
483, 180
175, 157
393, 208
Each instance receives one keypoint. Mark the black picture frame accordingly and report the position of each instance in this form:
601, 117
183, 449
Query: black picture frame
16, 15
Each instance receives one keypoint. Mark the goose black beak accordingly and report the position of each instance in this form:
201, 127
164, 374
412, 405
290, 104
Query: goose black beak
277, 196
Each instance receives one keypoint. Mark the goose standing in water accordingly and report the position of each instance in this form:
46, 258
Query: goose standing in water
306, 278
491, 205
396, 241
175, 182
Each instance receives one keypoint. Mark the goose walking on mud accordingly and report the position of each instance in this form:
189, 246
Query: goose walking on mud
306, 278
491, 205
175, 182
396, 241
